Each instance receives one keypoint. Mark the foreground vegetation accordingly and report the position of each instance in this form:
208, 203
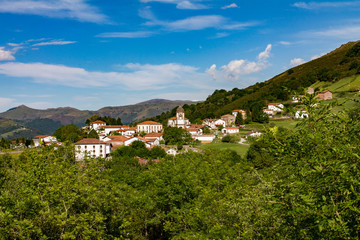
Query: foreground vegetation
301, 183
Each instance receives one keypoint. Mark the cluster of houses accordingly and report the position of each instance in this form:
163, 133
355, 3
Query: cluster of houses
114, 136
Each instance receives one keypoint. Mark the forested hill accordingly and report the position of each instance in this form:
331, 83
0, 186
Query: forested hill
338, 64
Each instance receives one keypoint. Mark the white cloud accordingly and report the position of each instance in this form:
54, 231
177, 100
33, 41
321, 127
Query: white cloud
322, 5
233, 5
73, 9
285, 43
181, 4
54, 42
134, 76
195, 22
139, 34
236, 68
190, 5
343, 32
6, 103
6, 55
265, 54
296, 61
221, 35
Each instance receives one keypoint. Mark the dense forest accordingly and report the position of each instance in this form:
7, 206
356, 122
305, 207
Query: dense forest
293, 184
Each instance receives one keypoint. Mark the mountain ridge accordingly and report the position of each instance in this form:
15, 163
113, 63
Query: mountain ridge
46, 121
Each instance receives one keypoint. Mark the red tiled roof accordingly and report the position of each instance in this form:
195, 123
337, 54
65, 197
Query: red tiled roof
41, 136
89, 141
196, 125
173, 118
227, 115
152, 135
118, 139
149, 123
132, 128
232, 128
114, 126
98, 121
192, 129
141, 138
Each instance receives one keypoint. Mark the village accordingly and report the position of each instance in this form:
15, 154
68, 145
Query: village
111, 137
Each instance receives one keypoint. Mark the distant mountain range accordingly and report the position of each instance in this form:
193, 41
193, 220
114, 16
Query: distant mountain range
23, 121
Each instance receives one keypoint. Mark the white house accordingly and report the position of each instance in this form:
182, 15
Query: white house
91, 147
301, 114
195, 131
179, 120
149, 127
214, 123
253, 134
158, 136
276, 107
236, 112
204, 138
171, 151
268, 111
131, 140
228, 119
47, 139
230, 130
97, 124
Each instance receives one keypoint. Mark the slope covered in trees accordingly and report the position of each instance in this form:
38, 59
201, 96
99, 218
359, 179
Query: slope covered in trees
338, 64
293, 184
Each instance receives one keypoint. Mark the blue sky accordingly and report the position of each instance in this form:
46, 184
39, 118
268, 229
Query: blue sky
89, 54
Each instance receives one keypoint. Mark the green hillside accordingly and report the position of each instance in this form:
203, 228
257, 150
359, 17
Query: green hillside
335, 71
348, 84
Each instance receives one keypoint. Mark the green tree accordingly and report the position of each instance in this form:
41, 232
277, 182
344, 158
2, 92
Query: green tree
239, 119
175, 136
69, 133
93, 134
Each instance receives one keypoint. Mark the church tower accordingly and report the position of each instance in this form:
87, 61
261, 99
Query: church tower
180, 117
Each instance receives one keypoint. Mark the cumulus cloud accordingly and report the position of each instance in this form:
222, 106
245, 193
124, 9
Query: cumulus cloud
296, 61
6, 55
139, 34
53, 42
181, 4
134, 76
321, 5
72, 9
233, 5
236, 68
